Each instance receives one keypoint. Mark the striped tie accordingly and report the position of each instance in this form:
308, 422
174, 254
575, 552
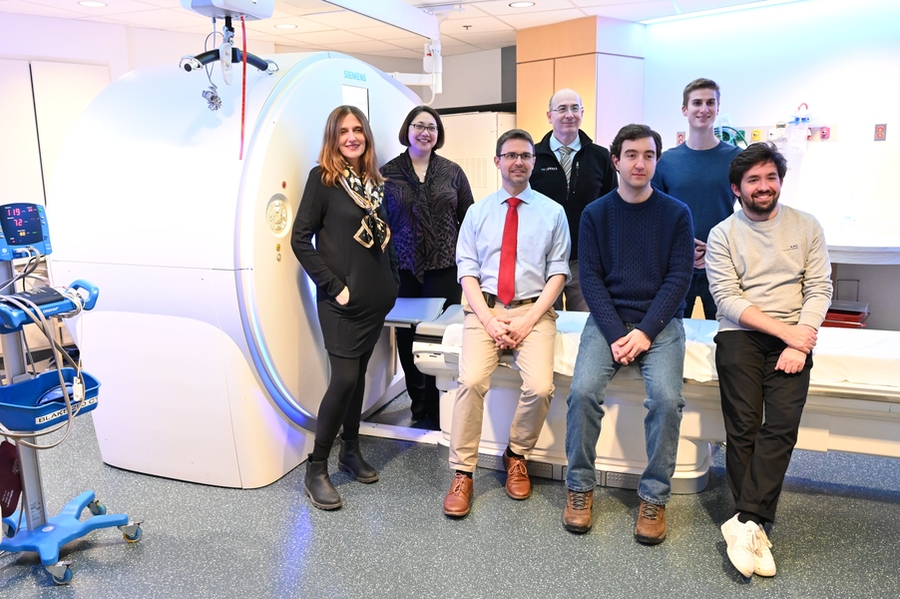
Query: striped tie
566, 161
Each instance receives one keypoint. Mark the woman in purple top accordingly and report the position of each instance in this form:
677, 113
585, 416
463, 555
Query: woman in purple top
426, 197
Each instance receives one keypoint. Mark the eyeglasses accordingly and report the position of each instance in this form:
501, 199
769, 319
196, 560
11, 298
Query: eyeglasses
421, 127
575, 108
512, 156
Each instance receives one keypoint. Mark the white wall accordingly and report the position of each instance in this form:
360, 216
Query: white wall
471, 80
26, 37
842, 59
389, 64
468, 80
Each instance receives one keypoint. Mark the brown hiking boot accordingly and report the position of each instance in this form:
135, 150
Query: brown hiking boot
577, 516
651, 524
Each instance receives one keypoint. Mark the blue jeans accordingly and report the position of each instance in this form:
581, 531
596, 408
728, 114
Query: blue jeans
662, 367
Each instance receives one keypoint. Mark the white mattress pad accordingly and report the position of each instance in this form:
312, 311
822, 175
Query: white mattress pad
854, 357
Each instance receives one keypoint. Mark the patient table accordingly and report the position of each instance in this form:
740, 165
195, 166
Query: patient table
853, 403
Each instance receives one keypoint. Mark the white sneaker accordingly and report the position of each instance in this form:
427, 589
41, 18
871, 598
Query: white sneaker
741, 538
763, 562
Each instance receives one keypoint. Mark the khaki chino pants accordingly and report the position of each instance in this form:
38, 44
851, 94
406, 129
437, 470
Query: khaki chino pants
478, 359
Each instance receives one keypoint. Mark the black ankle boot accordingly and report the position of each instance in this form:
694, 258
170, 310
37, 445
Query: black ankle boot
350, 460
318, 486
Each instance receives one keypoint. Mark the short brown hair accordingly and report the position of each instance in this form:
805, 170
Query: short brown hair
330, 158
754, 154
514, 134
698, 84
407, 123
633, 132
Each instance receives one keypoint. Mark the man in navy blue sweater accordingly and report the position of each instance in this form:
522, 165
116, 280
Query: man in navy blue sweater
636, 249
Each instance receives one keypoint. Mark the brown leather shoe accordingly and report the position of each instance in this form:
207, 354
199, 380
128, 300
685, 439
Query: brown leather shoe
651, 524
456, 503
518, 485
577, 516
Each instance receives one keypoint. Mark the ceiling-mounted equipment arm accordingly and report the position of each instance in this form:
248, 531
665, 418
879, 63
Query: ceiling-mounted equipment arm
190, 63
226, 53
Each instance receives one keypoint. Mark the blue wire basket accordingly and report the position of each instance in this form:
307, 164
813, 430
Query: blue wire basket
19, 409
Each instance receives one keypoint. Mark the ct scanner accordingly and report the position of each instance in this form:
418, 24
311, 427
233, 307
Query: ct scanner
205, 335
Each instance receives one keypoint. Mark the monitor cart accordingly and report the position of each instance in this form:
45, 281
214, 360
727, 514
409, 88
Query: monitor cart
33, 405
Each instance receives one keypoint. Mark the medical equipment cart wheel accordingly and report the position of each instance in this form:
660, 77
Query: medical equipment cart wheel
97, 508
135, 535
61, 573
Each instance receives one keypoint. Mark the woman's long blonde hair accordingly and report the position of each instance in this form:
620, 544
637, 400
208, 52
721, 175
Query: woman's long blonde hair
330, 158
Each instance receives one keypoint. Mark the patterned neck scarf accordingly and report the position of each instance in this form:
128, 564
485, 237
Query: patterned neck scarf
372, 229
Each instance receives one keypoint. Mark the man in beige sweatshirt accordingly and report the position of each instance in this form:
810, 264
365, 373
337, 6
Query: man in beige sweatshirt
769, 275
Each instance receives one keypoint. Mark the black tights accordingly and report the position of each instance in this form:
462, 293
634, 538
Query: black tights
342, 403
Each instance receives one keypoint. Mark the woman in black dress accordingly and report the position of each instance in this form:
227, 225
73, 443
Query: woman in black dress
427, 197
355, 271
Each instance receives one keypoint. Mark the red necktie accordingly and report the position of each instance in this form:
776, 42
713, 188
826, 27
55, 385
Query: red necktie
506, 281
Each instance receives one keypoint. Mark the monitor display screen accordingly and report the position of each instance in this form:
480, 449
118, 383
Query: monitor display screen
21, 224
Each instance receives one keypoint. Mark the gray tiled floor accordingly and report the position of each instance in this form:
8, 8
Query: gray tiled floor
839, 523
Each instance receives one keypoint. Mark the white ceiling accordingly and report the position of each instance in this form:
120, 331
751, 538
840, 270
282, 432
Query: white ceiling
471, 26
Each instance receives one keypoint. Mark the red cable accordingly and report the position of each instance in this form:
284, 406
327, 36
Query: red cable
243, 84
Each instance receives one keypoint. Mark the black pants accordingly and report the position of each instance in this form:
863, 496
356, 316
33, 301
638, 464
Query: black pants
700, 287
342, 403
422, 389
762, 408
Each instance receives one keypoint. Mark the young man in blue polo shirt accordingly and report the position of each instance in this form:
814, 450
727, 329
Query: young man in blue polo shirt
696, 172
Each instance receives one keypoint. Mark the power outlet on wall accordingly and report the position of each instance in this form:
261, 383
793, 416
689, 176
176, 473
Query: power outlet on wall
823, 133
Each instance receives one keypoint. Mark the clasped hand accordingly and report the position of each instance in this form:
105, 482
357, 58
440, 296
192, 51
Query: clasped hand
791, 361
800, 340
508, 333
801, 337
625, 350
